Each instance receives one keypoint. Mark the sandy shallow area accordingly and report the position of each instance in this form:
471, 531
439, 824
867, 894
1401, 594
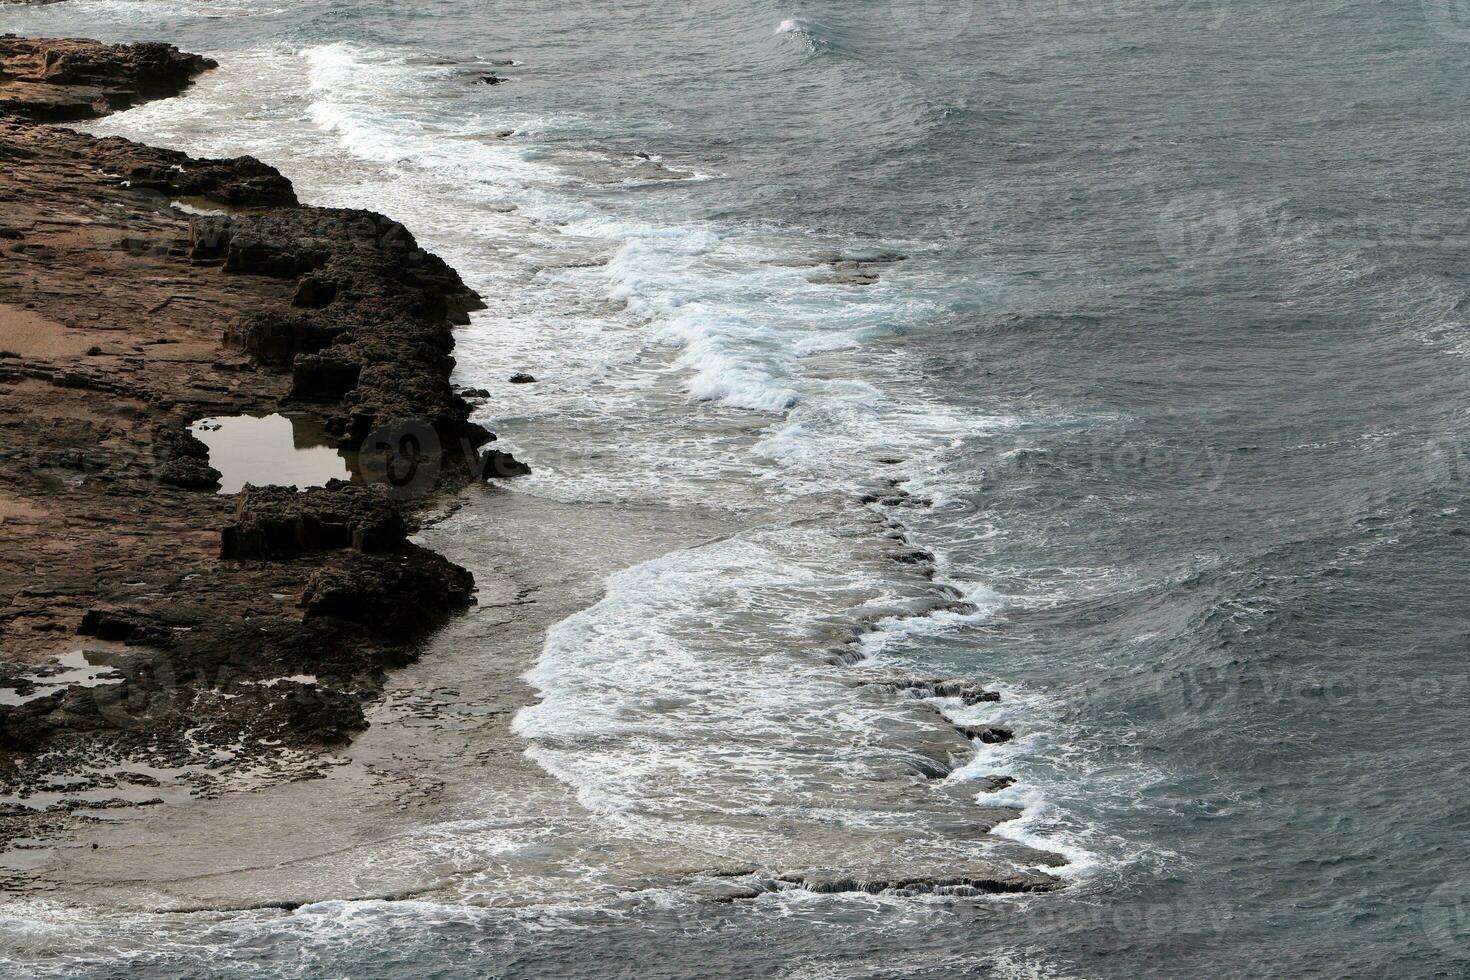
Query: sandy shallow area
274, 732
436, 798
439, 800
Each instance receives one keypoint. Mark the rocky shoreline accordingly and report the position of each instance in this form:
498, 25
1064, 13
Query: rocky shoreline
140, 291
227, 640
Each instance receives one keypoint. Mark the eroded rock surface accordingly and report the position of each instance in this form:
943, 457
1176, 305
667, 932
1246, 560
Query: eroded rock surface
232, 628
67, 79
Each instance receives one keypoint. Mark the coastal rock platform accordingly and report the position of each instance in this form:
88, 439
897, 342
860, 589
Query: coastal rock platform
140, 291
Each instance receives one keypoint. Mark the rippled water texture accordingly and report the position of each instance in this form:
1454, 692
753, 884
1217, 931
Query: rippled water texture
1138, 326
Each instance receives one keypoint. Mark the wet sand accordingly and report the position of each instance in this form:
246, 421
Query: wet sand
419, 804
438, 800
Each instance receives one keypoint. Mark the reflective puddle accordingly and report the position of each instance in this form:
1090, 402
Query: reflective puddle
76, 668
273, 450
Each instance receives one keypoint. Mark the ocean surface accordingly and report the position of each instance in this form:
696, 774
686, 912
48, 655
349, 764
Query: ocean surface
1164, 375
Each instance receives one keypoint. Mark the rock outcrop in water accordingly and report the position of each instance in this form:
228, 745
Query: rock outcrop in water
65, 80
367, 324
232, 628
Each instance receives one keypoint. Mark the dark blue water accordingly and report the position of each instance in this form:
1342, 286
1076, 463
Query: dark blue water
1177, 354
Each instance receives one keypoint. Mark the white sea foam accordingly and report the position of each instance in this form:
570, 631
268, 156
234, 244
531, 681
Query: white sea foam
805, 30
685, 690
685, 680
697, 686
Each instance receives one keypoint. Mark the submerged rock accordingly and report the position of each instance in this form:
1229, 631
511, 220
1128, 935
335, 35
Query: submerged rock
990, 734
969, 692
846, 270
884, 881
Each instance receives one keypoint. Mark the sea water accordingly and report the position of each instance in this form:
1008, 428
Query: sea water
1142, 322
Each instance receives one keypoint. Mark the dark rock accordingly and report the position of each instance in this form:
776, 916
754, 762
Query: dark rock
314, 292
323, 377
188, 474
521, 378
151, 68
994, 784
931, 768
140, 567
495, 463
394, 594
472, 435
492, 80
254, 257
990, 734
968, 692
23, 727
1001, 881
315, 714
182, 460
209, 242
121, 624
63, 80
276, 339
10, 233
274, 523
238, 181
384, 351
